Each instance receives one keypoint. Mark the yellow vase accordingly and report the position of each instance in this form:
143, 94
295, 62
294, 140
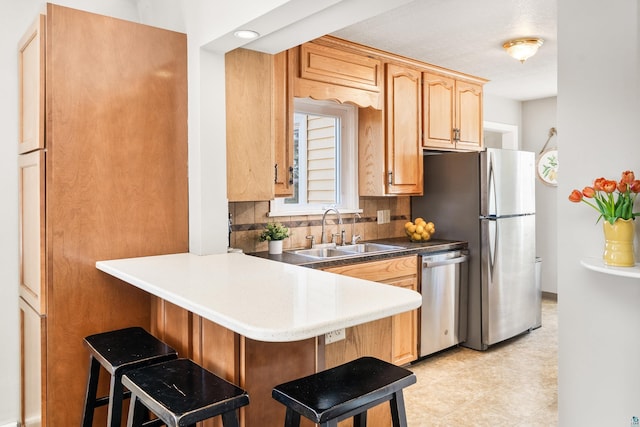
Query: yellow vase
618, 243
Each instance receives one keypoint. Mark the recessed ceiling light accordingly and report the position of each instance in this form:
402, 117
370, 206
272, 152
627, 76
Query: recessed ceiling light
246, 34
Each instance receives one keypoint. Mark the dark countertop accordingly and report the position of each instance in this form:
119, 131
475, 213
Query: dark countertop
408, 248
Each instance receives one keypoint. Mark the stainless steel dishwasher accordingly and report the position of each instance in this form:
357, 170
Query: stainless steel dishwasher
443, 319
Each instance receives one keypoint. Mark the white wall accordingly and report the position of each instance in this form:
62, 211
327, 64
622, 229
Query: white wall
537, 118
598, 111
503, 110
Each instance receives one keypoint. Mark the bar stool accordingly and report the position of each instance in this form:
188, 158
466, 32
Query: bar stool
345, 391
118, 351
181, 393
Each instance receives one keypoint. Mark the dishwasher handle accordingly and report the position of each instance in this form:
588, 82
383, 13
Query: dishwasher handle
428, 264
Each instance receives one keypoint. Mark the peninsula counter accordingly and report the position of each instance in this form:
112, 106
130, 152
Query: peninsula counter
259, 322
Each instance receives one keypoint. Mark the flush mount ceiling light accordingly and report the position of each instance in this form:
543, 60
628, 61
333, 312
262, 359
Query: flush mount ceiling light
246, 34
522, 49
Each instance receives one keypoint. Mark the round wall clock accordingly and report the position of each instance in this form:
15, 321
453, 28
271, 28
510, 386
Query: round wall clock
547, 167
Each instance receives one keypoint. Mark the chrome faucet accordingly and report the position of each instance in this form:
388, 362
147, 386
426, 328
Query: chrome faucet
324, 217
355, 237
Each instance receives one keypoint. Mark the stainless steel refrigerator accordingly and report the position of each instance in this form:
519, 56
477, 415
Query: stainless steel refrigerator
488, 199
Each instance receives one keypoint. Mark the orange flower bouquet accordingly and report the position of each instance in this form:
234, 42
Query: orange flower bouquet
605, 202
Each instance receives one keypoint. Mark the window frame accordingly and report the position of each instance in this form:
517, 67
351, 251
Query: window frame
347, 161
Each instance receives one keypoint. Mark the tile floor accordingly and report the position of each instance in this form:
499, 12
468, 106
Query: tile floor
511, 384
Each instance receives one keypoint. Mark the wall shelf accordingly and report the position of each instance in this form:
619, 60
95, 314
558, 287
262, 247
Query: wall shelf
596, 264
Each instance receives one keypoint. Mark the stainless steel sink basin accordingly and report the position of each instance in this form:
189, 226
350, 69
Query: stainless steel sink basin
321, 252
345, 251
369, 247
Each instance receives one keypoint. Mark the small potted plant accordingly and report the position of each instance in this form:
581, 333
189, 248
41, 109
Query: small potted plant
274, 233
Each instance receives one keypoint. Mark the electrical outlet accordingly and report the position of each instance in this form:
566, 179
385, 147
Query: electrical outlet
334, 336
384, 216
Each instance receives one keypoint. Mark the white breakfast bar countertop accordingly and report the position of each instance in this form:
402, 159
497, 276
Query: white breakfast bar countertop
262, 299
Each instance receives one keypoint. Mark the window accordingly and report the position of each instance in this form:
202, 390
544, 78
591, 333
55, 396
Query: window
325, 169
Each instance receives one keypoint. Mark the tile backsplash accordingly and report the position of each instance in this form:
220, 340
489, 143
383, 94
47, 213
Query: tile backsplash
249, 218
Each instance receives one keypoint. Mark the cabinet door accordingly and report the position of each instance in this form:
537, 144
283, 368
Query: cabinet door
31, 87
403, 130
438, 111
259, 133
405, 328
32, 229
32, 328
469, 116
250, 158
282, 112
397, 272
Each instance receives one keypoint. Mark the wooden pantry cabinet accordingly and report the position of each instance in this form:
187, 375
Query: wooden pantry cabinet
402, 272
259, 114
103, 129
452, 113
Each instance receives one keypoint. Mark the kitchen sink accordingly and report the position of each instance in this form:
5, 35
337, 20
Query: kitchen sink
345, 251
369, 247
321, 252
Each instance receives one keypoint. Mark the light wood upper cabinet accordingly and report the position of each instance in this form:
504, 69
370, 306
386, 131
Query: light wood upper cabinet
389, 149
259, 115
469, 115
282, 107
403, 130
328, 69
31, 57
452, 113
402, 272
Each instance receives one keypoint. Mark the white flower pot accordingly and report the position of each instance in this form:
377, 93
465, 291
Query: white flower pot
275, 247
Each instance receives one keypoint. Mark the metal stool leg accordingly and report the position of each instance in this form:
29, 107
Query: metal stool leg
360, 420
292, 418
136, 414
92, 391
230, 419
114, 415
398, 415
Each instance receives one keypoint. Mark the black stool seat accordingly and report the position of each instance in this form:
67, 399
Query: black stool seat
346, 391
181, 393
117, 352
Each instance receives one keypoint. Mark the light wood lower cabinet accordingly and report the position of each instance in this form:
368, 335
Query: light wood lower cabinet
402, 272
33, 359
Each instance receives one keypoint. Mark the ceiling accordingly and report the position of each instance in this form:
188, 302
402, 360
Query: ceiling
467, 36
463, 35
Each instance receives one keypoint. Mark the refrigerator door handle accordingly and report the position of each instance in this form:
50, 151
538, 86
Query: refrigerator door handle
491, 189
493, 240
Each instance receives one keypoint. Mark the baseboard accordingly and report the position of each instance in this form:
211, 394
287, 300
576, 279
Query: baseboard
11, 425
